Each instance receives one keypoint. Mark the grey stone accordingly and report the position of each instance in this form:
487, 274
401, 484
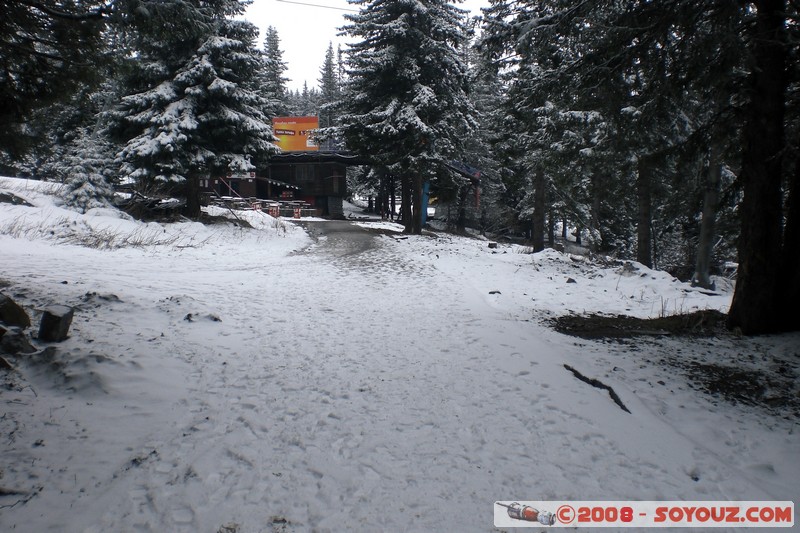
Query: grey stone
11, 314
55, 324
14, 341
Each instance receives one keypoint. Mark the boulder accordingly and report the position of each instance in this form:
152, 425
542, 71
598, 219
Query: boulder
55, 323
11, 314
13, 340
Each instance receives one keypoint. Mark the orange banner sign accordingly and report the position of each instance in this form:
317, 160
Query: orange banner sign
293, 133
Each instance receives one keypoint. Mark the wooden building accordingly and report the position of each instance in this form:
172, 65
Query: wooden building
321, 177
316, 178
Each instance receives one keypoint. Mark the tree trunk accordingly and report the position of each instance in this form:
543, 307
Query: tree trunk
705, 246
755, 305
405, 203
385, 207
416, 224
564, 232
461, 219
539, 211
551, 228
643, 234
790, 260
597, 203
192, 208
393, 197
381, 198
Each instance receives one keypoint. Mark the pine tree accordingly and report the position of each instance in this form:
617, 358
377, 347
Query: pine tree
199, 114
48, 49
305, 102
87, 174
273, 80
405, 104
487, 93
677, 81
340, 66
328, 89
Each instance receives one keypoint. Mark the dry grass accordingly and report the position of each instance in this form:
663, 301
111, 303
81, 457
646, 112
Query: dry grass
81, 234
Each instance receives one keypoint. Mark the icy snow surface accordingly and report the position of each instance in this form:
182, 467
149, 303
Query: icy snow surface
277, 379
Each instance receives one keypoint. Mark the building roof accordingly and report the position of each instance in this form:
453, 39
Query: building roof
345, 158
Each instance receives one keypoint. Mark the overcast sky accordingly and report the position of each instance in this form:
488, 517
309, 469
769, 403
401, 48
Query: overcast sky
306, 30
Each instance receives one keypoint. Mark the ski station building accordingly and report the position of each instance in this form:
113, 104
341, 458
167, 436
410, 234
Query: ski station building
302, 176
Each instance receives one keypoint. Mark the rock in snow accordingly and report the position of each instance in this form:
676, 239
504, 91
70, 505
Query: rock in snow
11, 314
55, 323
13, 340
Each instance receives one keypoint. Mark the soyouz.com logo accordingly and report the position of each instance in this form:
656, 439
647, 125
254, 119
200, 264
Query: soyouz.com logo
761, 514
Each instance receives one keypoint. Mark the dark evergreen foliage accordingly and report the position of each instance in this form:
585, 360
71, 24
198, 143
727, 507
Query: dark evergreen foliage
329, 89
405, 102
48, 49
196, 110
273, 81
673, 88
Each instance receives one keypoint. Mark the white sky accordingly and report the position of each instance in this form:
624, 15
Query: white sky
306, 30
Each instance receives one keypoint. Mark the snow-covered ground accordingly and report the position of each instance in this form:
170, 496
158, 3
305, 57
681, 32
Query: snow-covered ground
223, 379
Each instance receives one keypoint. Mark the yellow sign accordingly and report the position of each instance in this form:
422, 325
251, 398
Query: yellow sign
293, 133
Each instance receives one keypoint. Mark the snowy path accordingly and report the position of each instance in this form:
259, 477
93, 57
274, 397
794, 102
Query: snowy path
341, 388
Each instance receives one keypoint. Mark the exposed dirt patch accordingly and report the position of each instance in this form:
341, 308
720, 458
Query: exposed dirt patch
763, 372
700, 323
772, 385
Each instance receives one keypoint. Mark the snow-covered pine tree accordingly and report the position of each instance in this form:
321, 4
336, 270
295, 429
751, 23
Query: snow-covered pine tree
328, 88
340, 66
86, 172
552, 149
464, 204
405, 104
48, 50
199, 114
273, 82
603, 68
659, 63
304, 102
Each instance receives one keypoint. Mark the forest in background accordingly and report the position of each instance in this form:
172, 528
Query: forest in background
665, 132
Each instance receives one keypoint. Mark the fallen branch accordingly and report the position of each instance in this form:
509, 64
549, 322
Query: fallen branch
28, 496
600, 385
11, 492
